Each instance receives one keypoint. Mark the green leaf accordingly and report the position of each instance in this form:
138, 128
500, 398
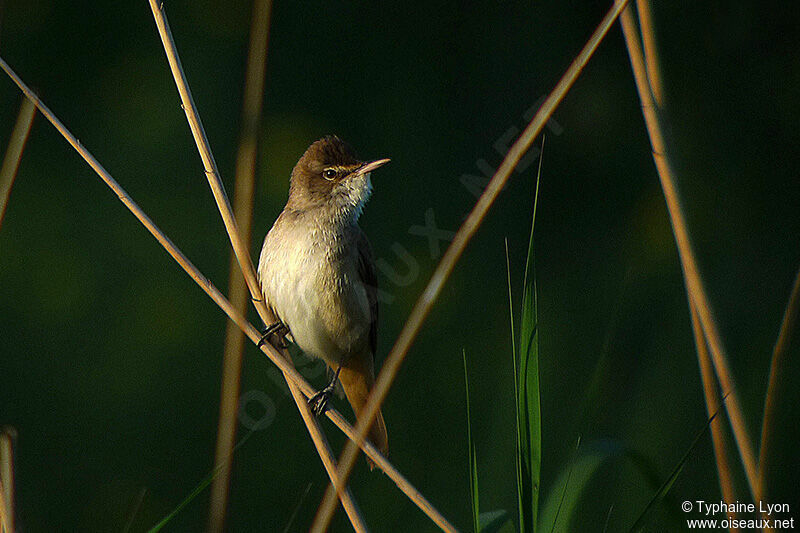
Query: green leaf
492, 521
664, 489
473, 458
529, 442
559, 509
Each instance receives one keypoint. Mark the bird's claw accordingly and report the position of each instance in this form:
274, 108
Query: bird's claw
319, 402
274, 329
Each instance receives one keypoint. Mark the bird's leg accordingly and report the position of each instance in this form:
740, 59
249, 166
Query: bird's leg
319, 402
275, 329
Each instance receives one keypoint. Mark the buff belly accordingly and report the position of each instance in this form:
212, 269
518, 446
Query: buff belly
318, 297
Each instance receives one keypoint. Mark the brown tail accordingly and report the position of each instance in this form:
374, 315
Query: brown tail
357, 379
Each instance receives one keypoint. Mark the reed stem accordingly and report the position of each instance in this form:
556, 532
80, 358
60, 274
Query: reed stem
237, 288
476, 217
691, 273
777, 381
19, 136
8, 442
208, 287
240, 248
712, 398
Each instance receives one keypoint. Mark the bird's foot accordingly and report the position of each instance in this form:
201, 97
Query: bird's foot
277, 329
319, 402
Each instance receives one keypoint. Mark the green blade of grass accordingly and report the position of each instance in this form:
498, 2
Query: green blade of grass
528, 400
529, 261
518, 441
297, 507
513, 336
134, 510
608, 518
559, 509
664, 489
473, 458
529, 413
205, 482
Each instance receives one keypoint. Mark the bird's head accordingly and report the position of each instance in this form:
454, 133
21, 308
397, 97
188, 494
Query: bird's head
330, 175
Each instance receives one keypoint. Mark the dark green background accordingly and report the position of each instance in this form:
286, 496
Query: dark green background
111, 354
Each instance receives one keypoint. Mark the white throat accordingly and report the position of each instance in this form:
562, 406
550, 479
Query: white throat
348, 198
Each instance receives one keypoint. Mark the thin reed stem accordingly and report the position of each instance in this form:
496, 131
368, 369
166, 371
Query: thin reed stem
5, 521
652, 63
19, 136
240, 248
712, 399
425, 302
237, 288
5, 526
777, 380
691, 273
8, 441
252, 333
710, 389
348, 502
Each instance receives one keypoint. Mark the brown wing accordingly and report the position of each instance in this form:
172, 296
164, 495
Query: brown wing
366, 269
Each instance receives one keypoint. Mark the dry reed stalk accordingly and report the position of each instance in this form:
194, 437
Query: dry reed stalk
237, 288
240, 248
694, 285
8, 438
652, 64
330, 466
710, 391
19, 136
425, 302
711, 394
252, 333
5, 521
776, 383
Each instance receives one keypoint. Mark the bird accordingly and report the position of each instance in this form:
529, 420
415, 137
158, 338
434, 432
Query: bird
318, 276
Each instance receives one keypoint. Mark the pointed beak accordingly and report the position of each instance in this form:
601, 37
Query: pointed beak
369, 167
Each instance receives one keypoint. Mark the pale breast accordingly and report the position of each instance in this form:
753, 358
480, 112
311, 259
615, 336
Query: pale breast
310, 278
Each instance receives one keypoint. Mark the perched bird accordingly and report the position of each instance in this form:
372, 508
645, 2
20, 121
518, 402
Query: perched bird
318, 275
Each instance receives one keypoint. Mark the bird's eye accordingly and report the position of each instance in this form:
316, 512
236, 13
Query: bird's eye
329, 173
